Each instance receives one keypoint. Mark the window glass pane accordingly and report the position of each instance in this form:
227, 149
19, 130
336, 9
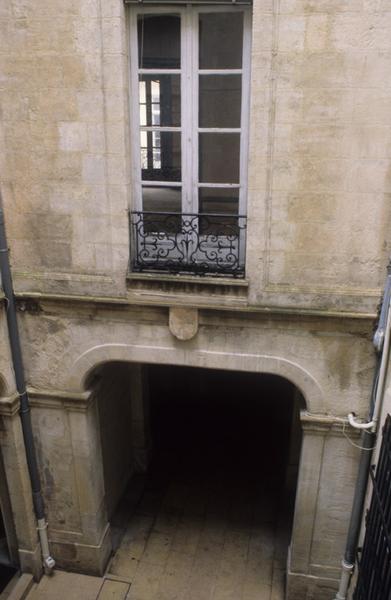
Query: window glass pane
158, 200
219, 157
162, 199
224, 203
142, 92
143, 114
219, 200
160, 156
159, 41
160, 100
221, 40
155, 91
220, 100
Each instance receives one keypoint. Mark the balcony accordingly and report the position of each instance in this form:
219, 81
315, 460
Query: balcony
188, 243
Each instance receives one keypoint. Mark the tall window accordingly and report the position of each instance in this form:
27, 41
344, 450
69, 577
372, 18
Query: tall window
190, 76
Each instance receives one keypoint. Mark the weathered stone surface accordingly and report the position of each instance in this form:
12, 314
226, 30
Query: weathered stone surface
319, 189
66, 585
301, 586
183, 322
319, 164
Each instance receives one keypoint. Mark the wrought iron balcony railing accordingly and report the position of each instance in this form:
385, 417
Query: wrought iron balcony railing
202, 244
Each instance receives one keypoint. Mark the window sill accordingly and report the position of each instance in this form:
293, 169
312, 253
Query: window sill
196, 279
188, 290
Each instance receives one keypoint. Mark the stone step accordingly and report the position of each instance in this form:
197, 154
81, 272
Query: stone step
19, 587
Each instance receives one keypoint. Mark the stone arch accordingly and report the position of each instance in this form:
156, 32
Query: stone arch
258, 363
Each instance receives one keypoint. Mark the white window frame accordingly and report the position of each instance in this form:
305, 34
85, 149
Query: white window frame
189, 128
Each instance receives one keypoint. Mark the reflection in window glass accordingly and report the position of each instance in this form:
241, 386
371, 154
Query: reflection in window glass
155, 91
160, 100
156, 155
142, 92
220, 100
220, 38
144, 149
219, 157
162, 200
161, 156
159, 41
219, 200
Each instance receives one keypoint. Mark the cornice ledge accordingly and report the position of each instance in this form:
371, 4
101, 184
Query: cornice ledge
59, 399
323, 424
238, 304
9, 405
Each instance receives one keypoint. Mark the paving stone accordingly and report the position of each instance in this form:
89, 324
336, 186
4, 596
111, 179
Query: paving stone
113, 590
167, 522
146, 583
225, 553
200, 586
187, 536
174, 583
124, 564
278, 584
136, 536
67, 586
157, 548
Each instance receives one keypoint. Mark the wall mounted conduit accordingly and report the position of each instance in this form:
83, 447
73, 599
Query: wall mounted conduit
24, 410
381, 342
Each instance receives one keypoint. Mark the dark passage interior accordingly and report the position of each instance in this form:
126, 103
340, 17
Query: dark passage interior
200, 471
7, 569
8, 544
221, 430
214, 506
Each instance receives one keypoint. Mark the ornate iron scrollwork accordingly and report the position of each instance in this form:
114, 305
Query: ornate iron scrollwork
202, 244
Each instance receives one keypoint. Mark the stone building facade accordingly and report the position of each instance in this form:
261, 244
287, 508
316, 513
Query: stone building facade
317, 242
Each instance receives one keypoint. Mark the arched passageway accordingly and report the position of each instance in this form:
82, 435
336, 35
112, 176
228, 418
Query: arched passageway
200, 470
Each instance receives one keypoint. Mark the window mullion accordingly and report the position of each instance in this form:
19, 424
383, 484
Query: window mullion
195, 109
245, 108
186, 109
135, 112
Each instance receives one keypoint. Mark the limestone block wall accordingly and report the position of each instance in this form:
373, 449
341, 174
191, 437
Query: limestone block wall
69, 452
320, 151
7, 382
63, 101
25, 548
319, 168
329, 360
